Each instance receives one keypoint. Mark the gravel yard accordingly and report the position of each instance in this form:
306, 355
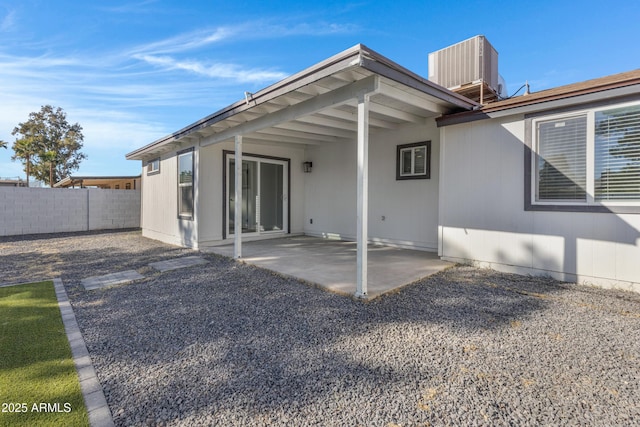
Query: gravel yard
230, 344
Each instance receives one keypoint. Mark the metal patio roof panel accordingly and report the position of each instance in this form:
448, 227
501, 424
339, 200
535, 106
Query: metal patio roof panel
338, 71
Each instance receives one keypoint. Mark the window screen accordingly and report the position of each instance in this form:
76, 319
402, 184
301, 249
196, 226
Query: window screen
561, 159
617, 154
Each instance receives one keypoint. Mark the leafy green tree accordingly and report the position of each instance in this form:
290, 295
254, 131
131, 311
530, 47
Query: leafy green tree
25, 150
48, 145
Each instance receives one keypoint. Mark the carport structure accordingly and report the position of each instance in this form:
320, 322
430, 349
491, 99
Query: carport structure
344, 98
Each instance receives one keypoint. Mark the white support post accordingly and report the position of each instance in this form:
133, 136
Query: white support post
237, 221
362, 195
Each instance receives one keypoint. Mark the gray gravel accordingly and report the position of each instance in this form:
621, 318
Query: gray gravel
230, 344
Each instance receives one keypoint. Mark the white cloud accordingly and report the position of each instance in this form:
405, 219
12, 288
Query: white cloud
259, 29
184, 42
115, 130
306, 29
8, 23
118, 96
215, 70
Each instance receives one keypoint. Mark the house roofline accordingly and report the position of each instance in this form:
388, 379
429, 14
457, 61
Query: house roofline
544, 99
356, 56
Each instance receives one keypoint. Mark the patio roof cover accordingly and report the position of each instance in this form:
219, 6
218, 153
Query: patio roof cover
319, 105
344, 98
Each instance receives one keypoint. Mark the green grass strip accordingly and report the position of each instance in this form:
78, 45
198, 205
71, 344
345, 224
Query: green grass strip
38, 381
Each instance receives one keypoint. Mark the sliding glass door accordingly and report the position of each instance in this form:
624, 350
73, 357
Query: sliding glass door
264, 195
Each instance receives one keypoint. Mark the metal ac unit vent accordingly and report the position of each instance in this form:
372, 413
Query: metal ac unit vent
469, 68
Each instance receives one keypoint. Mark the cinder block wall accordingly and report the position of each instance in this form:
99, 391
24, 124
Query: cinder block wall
47, 210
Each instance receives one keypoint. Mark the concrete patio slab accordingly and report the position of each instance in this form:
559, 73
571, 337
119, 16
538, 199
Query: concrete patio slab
176, 263
97, 282
331, 264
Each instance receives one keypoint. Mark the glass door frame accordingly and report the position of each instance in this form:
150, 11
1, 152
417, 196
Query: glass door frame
227, 156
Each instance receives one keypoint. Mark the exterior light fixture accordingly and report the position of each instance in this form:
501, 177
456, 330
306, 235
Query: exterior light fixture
306, 167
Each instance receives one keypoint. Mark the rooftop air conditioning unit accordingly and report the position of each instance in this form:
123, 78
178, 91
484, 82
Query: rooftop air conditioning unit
469, 68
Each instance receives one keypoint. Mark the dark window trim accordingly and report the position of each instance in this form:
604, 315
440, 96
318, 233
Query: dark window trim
155, 172
225, 154
528, 172
193, 183
427, 174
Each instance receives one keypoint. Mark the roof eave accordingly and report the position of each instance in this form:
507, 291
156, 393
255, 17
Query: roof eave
342, 61
577, 93
356, 56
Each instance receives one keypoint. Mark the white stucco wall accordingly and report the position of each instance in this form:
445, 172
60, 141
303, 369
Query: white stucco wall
210, 209
160, 204
482, 216
327, 194
409, 207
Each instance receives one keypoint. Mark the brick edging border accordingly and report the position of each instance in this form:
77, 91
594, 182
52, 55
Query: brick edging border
94, 400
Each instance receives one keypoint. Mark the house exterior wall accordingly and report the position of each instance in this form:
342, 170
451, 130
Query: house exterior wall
327, 195
483, 220
160, 204
409, 207
210, 182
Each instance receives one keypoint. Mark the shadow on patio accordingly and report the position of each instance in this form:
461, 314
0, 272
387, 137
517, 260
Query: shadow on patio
331, 264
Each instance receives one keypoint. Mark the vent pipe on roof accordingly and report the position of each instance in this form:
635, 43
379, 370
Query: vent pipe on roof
248, 96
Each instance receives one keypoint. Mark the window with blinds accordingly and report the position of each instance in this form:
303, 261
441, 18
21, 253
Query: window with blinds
617, 154
561, 160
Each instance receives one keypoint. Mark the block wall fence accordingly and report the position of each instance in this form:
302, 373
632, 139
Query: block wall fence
55, 210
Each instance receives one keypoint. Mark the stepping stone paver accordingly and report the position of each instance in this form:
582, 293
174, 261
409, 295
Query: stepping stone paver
176, 263
97, 282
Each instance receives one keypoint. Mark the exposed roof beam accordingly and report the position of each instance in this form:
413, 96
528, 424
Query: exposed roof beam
316, 129
310, 106
260, 136
263, 142
418, 101
318, 119
346, 115
299, 135
380, 65
396, 114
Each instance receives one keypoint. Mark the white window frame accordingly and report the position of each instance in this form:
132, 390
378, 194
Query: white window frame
590, 200
153, 166
181, 215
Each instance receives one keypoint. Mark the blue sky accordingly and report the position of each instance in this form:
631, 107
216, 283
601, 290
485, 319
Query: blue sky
133, 71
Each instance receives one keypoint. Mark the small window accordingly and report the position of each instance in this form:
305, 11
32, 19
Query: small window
117, 186
127, 186
185, 185
413, 161
153, 166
